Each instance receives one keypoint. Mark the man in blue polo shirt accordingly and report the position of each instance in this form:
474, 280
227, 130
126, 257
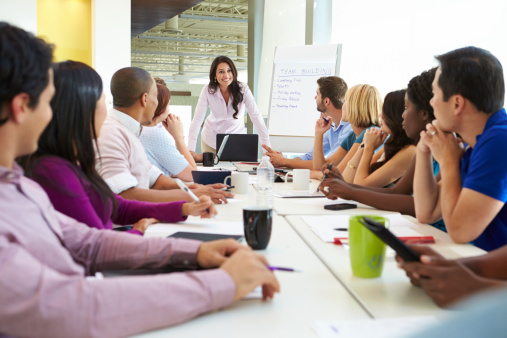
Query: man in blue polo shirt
329, 99
468, 99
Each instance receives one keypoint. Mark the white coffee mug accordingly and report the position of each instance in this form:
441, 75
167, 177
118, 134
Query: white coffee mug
300, 180
239, 181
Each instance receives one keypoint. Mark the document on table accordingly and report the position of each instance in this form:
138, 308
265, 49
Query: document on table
329, 227
228, 168
378, 328
200, 226
298, 194
323, 202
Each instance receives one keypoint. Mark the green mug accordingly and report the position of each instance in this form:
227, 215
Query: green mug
367, 251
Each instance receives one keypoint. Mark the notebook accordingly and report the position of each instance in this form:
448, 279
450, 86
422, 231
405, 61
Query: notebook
239, 147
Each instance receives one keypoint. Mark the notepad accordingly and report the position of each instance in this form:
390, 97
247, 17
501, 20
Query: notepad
299, 194
325, 226
378, 328
205, 237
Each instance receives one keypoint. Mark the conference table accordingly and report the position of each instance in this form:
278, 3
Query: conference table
325, 289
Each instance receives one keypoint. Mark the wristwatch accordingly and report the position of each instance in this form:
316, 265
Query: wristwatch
361, 146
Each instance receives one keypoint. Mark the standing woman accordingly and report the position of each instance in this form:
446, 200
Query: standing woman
227, 99
64, 164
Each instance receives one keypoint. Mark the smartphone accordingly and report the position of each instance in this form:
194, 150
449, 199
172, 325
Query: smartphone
340, 206
390, 239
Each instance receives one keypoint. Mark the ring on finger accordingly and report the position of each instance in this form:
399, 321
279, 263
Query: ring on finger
326, 189
432, 133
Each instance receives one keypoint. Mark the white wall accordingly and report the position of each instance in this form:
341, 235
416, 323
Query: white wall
284, 25
386, 43
110, 39
21, 13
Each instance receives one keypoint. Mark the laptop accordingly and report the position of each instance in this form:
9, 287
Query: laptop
238, 147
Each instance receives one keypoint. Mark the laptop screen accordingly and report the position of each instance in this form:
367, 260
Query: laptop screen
239, 147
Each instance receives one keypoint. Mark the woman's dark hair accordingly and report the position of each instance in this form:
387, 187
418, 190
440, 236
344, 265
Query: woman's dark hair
392, 111
234, 87
71, 133
419, 91
163, 96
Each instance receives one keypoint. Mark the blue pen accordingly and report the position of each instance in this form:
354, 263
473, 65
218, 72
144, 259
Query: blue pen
184, 187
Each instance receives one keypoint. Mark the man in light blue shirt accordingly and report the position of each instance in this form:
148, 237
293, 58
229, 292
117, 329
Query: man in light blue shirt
332, 140
329, 99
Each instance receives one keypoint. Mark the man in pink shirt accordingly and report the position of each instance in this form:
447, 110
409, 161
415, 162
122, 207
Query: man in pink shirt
122, 161
45, 256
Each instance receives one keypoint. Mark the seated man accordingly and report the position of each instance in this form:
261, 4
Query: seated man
45, 256
122, 162
329, 99
468, 96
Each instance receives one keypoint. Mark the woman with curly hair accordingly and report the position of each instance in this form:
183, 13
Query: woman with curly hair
227, 99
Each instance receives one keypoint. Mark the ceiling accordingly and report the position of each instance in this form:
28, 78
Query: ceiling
186, 35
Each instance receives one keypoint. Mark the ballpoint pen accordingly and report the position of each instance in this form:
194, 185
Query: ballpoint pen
279, 268
325, 175
184, 187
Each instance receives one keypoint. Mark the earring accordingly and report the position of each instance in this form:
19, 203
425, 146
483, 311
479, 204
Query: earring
216, 80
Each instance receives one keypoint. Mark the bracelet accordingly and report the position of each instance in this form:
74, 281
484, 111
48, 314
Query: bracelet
351, 166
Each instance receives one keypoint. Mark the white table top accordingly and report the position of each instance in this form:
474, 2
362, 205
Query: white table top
390, 295
305, 296
325, 289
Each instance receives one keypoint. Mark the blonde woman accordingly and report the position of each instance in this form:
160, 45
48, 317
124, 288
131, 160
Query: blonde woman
361, 109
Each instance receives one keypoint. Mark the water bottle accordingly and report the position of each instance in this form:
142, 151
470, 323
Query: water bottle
265, 180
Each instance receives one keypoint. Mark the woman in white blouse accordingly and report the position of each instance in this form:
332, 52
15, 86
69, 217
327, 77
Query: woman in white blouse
227, 99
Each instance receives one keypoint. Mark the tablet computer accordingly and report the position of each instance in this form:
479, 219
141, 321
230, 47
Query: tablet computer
390, 239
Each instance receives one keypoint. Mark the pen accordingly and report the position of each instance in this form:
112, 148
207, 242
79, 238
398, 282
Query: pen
325, 175
184, 187
279, 268
341, 229
229, 187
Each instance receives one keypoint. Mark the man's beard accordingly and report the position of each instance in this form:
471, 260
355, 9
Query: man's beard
321, 110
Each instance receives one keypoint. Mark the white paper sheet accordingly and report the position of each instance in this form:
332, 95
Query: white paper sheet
378, 328
198, 226
325, 226
322, 202
298, 194
216, 168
